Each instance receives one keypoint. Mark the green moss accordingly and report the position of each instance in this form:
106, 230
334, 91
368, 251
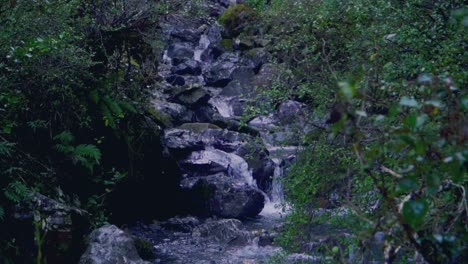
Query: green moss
227, 44
198, 127
159, 117
144, 248
236, 16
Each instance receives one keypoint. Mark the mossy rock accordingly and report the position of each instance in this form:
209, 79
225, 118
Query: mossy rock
144, 248
198, 127
236, 17
227, 44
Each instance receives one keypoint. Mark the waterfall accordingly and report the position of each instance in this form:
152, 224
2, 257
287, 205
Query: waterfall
203, 44
277, 192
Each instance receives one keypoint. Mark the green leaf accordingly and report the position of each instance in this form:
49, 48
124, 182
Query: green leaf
415, 211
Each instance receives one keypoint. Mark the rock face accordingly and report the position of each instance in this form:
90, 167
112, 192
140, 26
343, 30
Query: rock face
110, 245
210, 78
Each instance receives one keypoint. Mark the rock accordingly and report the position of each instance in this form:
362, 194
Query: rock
243, 75
258, 56
193, 96
183, 224
236, 88
185, 35
190, 67
198, 127
227, 106
225, 196
223, 231
219, 73
176, 113
196, 136
176, 80
212, 53
206, 162
110, 245
266, 75
302, 258
214, 34
289, 110
180, 52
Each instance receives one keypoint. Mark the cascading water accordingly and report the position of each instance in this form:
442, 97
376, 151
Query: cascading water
203, 44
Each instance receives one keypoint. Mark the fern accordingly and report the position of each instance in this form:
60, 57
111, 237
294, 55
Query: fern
2, 213
84, 154
65, 137
16, 191
6, 148
87, 153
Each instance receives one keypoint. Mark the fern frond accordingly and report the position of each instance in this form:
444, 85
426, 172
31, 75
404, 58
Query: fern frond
65, 137
16, 191
2, 213
89, 152
6, 148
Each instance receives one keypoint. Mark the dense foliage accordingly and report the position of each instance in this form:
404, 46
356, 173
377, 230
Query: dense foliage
74, 89
393, 153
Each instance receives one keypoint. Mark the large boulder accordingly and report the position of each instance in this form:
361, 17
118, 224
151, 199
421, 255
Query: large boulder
224, 196
206, 162
224, 231
171, 112
197, 136
110, 245
219, 73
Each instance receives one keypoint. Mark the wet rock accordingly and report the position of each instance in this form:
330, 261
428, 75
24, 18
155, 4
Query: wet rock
186, 35
190, 67
176, 113
212, 53
214, 33
176, 80
195, 136
110, 245
228, 106
206, 162
224, 231
183, 224
180, 52
193, 96
225, 196
302, 258
219, 73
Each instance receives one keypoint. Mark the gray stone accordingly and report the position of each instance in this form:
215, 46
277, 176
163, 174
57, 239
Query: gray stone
175, 112
180, 52
110, 245
223, 231
225, 196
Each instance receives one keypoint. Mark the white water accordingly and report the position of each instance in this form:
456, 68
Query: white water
202, 46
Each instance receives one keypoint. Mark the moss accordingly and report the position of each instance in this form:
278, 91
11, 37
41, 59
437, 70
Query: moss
227, 44
198, 127
159, 117
144, 248
236, 16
